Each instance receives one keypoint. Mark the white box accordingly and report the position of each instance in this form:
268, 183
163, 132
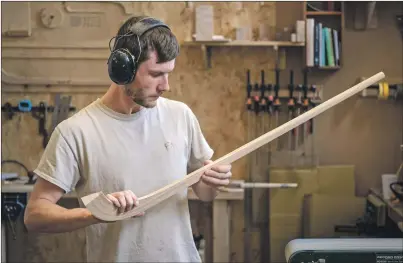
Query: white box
300, 30
204, 24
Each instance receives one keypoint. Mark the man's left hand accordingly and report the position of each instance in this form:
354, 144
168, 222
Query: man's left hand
217, 176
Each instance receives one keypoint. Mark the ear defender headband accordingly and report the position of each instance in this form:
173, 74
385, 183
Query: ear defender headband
122, 64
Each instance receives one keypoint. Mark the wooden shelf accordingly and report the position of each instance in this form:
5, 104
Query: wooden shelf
206, 46
327, 68
246, 43
323, 13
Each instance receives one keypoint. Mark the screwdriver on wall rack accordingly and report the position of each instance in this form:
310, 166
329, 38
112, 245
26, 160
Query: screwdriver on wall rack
276, 101
270, 98
305, 102
249, 109
312, 103
248, 92
256, 98
269, 111
305, 107
291, 109
312, 89
298, 105
262, 101
256, 108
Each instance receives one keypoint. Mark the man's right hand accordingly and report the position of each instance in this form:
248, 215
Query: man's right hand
124, 201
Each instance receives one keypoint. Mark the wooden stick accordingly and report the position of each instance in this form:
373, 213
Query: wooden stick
236, 187
102, 208
268, 185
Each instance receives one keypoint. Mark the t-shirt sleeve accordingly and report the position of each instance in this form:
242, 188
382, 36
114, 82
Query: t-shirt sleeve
199, 149
58, 163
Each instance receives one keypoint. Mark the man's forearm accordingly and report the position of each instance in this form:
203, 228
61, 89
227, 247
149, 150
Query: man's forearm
45, 217
204, 192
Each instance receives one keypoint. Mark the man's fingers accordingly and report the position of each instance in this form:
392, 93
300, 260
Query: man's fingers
122, 200
207, 162
218, 175
113, 200
214, 181
125, 200
129, 201
134, 198
141, 214
222, 168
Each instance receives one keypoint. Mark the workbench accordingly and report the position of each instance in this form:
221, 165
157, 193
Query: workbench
221, 214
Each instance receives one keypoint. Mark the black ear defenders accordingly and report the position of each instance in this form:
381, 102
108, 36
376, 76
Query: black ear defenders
122, 64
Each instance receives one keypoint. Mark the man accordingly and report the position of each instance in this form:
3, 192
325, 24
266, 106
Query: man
128, 143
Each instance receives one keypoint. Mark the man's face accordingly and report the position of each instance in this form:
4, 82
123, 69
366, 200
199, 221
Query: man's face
151, 81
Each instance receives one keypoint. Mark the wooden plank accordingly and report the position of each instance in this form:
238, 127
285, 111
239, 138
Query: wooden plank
221, 231
244, 43
230, 195
323, 13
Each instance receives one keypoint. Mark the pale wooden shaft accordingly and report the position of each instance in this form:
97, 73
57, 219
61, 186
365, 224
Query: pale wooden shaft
102, 208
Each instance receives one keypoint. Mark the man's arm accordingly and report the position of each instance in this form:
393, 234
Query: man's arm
43, 215
204, 192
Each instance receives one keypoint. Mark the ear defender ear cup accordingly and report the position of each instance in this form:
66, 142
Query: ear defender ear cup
121, 67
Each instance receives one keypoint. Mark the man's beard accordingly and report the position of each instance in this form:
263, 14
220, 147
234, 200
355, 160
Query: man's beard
138, 98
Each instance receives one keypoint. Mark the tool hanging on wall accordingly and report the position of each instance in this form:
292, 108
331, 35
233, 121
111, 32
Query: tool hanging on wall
40, 113
269, 113
61, 110
305, 105
249, 108
384, 91
248, 194
277, 104
291, 113
263, 108
291, 109
13, 206
312, 103
305, 108
298, 106
30, 174
25, 106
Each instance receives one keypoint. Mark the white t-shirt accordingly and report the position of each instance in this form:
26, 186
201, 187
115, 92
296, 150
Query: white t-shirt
98, 149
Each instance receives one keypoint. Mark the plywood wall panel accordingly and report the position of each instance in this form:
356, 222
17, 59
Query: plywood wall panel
76, 50
216, 95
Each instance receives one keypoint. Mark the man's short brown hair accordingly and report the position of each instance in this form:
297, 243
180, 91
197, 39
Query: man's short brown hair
159, 39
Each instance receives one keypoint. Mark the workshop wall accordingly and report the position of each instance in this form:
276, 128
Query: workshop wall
71, 54
366, 133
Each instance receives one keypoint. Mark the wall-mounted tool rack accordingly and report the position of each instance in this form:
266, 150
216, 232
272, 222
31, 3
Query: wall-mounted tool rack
60, 112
